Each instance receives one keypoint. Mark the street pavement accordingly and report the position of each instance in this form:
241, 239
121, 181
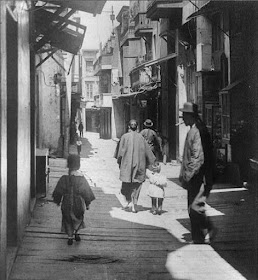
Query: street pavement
119, 245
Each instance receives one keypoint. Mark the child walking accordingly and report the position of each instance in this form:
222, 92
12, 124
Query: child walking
156, 188
74, 192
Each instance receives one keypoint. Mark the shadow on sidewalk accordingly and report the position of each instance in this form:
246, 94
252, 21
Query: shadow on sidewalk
112, 246
86, 151
236, 240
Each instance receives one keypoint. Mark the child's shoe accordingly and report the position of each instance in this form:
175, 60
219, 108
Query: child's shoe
159, 211
70, 241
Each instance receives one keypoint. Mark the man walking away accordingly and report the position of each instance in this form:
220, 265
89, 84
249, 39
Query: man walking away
80, 127
134, 155
196, 173
151, 137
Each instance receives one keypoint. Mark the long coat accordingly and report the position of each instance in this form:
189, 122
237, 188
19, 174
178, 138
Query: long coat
134, 155
74, 193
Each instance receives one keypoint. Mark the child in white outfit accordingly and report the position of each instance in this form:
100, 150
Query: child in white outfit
156, 188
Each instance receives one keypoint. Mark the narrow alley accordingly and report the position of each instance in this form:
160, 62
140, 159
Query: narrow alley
121, 245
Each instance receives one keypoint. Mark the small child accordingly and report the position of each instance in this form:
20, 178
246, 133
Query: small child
74, 194
78, 144
156, 188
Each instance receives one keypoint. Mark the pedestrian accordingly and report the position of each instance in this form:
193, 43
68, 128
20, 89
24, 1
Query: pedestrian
134, 155
196, 173
151, 137
73, 192
79, 144
156, 188
80, 127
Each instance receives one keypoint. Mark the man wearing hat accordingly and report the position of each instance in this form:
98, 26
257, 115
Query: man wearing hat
151, 137
196, 173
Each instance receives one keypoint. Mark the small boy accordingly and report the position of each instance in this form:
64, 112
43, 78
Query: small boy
74, 194
156, 188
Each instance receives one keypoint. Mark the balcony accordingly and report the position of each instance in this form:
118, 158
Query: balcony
143, 25
128, 35
103, 63
165, 9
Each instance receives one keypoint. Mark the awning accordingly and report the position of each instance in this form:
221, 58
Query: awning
145, 89
232, 85
153, 62
126, 95
160, 60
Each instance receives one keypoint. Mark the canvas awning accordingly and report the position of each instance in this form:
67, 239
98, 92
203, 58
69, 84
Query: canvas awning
145, 90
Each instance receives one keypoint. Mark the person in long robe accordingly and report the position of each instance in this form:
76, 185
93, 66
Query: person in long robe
133, 157
74, 193
196, 173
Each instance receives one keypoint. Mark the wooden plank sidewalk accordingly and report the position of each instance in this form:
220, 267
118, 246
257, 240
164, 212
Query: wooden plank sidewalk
121, 245
110, 248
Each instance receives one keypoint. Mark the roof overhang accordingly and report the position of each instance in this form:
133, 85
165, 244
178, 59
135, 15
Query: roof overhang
165, 9
214, 6
53, 28
92, 7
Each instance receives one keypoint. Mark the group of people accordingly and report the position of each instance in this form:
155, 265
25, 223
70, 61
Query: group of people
134, 155
137, 161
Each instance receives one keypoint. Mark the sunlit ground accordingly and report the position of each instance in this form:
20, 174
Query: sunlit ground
191, 261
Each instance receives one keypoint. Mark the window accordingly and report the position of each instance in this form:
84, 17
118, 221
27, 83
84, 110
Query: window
89, 90
89, 66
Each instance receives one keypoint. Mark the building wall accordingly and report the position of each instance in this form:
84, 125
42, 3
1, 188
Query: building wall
254, 85
129, 56
49, 104
3, 149
23, 141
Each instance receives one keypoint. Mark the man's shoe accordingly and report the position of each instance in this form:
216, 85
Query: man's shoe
77, 237
70, 241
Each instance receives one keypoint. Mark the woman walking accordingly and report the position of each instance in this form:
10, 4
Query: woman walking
74, 192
